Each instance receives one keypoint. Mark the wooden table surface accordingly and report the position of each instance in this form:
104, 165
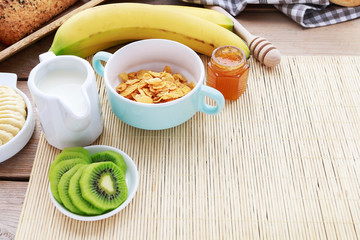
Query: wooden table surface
265, 21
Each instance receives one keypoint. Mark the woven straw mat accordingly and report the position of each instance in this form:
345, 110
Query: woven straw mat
281, 162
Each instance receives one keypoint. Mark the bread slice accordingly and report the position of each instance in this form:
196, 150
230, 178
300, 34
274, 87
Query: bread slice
19, 18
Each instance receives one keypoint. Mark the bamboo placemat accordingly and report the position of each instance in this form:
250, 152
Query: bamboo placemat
283, 161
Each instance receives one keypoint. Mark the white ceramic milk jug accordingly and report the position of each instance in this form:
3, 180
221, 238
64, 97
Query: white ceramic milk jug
66, 100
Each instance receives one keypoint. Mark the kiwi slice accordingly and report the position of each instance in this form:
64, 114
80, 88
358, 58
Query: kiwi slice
76, 196
63, 189
58, 170
77, 149
103, 185
68, 155
111, 156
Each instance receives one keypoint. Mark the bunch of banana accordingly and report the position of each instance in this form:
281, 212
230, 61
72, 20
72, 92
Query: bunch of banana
105, 26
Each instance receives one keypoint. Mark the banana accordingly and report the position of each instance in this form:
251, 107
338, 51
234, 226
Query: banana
104, 26
205, 13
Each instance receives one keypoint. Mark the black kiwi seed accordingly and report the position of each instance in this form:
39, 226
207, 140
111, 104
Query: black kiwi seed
111, 156
103, 188
76, 195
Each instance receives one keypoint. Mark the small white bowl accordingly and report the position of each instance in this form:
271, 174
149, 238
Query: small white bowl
18, 142
131, 178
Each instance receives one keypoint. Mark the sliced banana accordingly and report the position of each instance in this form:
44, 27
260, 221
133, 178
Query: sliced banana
5, 136
17, 104
14, 109
12, 113
9, 128
6, 91
11, 97
7, 112
12, 121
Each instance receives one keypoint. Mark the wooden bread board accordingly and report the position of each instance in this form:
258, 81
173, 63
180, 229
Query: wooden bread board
56, 22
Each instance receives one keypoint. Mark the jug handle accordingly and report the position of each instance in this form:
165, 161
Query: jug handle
78, 123
96, 62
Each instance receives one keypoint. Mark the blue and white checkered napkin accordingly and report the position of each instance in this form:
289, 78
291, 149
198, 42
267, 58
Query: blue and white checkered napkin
307, 13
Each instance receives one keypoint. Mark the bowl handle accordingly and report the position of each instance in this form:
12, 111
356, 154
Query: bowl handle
213, 94
96, 62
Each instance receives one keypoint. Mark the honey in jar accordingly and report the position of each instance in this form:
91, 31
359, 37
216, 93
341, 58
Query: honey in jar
228, 71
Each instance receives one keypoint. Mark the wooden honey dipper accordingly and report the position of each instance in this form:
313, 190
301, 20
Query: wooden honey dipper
264, 51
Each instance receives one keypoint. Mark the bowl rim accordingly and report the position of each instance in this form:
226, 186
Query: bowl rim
28, 126
175, 43
131, 193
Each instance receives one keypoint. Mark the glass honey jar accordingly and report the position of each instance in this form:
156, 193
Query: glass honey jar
228, 71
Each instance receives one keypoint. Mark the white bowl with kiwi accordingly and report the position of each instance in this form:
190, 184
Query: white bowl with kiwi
92, 183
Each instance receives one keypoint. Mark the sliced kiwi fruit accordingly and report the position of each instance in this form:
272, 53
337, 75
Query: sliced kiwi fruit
77, 149
103, 185
58, 170
76, 196
63, 189
111, 156
68, 155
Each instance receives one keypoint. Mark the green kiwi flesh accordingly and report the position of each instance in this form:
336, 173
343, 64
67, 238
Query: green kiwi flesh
111, 156
58, 170
76, 196
78, 150
103, 185
68, 155
63, 189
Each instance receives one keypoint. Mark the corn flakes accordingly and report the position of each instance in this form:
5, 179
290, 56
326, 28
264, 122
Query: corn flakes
153, 87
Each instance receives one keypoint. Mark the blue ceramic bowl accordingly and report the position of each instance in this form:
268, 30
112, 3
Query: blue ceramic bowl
155, 54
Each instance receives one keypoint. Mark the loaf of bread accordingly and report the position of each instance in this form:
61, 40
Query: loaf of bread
346, 3
19, 18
